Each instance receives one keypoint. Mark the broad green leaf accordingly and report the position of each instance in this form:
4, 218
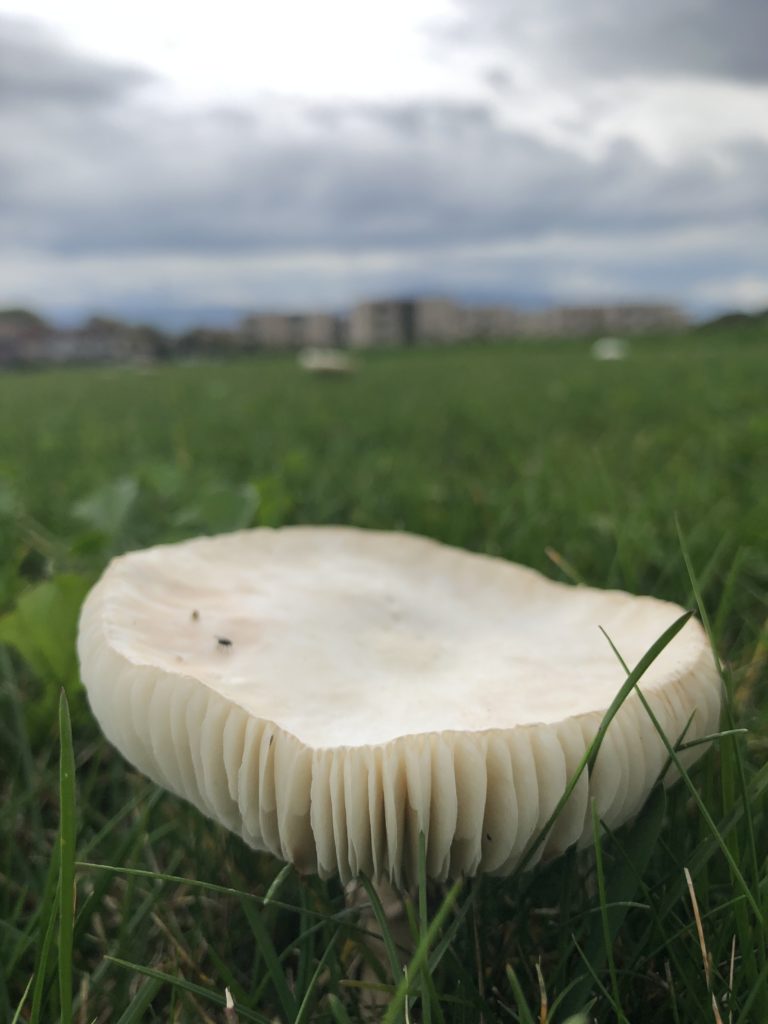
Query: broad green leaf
275, 501
9, 500
43, 627
107, 509
165, 479
219, 508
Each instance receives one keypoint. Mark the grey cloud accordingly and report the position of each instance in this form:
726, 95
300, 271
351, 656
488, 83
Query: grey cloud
407, 120
35, 68
439, 188
189, 182
610, 37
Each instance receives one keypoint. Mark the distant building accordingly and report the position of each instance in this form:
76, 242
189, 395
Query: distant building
643, 319
583, 321
323, 330
499, 322
21, 333
291, 331
94, 346
26, 340
406, 322
271, 330
545, 323
483, 323
381, 324
438, 321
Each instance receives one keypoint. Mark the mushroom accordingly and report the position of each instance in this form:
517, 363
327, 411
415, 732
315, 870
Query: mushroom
325, 361
610, 349
330, 693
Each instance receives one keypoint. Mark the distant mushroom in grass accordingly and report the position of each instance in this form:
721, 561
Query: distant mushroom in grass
325, 361
342, 691
610, 349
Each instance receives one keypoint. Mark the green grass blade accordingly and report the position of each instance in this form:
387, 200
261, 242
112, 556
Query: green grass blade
587, 762
524, 1012
277, 884
338, 1010
432, 998
710, 738
385, 933
703, 810
214, 887
305, 944
757, 994
737, 760
307, 1003
188, 986
442, 947
604, 914
50, 901
728, 590
423, 927
67, 832
272, 962
140, 1002
593, 973
395, 1008
20, 1007
41, 969
622, 882
140, 801
561, 1000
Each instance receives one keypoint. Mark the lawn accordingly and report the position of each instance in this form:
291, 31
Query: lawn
607, 473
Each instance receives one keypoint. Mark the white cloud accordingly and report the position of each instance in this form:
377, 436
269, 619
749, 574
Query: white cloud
744, 291
678, 78
236, 50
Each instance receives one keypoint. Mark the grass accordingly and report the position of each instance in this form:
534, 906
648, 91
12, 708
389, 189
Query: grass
650, 475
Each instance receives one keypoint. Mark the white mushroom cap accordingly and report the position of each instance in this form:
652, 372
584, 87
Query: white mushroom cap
328, 693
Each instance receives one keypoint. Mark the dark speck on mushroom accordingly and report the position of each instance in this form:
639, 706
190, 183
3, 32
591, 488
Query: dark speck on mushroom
488, 836
195, 615
223, 641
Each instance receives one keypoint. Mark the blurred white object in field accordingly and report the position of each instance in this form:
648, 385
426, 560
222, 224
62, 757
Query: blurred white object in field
324, 360
606, 349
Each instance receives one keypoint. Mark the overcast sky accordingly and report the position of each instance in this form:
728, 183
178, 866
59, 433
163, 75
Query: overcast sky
166, 163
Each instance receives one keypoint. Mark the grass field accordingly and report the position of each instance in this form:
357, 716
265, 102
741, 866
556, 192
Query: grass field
586, 471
